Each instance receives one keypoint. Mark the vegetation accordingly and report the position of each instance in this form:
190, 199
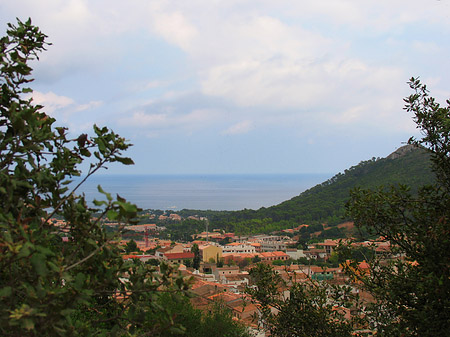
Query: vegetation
68, 278
412, 293
132, 247
301, 309
217, 321
197, 259
325, 203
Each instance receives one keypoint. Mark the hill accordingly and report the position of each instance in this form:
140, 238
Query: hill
325, 202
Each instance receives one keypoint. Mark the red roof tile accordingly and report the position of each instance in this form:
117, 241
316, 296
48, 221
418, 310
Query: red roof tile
177, 256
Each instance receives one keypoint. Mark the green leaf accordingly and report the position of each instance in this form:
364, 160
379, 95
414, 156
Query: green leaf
85, 152
6, 292
26, 250
125, 160
108, 195
28, 323
112, 215
44, 250
99, 203
38, 263
79, 281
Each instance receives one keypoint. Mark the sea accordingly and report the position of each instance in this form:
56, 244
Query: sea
202, 192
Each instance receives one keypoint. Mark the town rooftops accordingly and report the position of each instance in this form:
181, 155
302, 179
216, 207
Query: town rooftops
177, 256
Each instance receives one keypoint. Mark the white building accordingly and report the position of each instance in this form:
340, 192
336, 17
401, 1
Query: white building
237, 247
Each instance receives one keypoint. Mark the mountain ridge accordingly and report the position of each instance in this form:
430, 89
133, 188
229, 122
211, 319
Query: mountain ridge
325, 202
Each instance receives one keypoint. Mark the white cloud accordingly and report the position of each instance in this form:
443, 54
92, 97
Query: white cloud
51, 101
239, 128
141, 119
304, 65
175, 28
55, 104
156, 123
88, 106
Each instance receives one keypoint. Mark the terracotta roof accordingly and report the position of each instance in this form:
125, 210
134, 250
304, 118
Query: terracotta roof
364, 265
317, 269
278, 253
236, 277
127, 257
176, 256
163, 250
328, 243
226, 297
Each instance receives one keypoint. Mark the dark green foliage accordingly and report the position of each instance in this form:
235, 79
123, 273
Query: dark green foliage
325, 203
303, 309
412, 292
196, 260
131, 247
182, 230
50, 286
217, 321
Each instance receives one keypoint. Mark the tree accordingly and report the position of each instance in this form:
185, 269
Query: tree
297, 309
131, 247
63, 279
412, 291
256, 259
219, 261
196, 260
216, 321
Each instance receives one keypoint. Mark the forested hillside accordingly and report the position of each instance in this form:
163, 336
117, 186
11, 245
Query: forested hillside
325, 203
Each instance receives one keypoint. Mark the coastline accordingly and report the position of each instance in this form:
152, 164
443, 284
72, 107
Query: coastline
203, 191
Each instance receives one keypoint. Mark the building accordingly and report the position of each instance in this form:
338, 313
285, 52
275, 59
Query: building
270, 243
294, 253
210, 252
178, 258
328, 245
273, 256
238, 247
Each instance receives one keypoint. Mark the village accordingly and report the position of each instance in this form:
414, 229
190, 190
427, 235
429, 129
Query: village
224, 261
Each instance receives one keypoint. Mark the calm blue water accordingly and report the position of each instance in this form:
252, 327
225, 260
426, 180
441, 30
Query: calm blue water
215, 192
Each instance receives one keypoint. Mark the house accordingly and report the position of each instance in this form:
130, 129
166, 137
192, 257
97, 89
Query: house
315, 253
294, 253
178, 258
237, 247
257, 246
237, 257
273, 256
270, 243
169, 250
235, 279
175, 217
233, 270
328, 245
208, 252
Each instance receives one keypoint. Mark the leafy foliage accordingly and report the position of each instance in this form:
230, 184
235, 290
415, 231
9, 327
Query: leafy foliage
413, 292
197, 259
299, 309
67, 279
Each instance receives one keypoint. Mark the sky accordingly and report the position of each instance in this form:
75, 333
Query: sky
237, 86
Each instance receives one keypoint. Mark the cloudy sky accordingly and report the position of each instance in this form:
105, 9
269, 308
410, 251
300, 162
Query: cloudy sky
237, 86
